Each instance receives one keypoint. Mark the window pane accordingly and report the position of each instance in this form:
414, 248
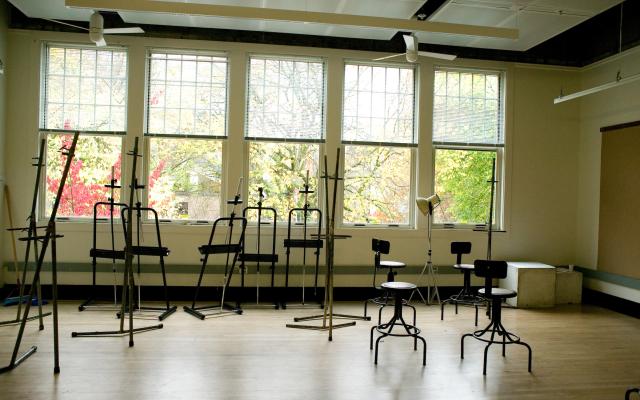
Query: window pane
90, 171
461, 182
378, 92
185, 178
285, 96
377, 185
281, 169
187, 94
78, 79
467, 108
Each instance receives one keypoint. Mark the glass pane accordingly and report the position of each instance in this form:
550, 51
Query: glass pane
377, 185
382, 93
461, 182
79, 79
91, 169
466, 108
288, 91
281, 169
185, 178
189, 91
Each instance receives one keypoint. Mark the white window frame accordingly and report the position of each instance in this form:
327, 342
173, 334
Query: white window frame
44, 133
499, 194
321, 142
414, 146
148, 136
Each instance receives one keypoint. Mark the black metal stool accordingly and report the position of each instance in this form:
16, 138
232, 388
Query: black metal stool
397, 289
466, 295
381, 247
489, 270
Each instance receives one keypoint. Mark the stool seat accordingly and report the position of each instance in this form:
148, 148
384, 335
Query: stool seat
465, 267
498, 293
398, 286
392, 264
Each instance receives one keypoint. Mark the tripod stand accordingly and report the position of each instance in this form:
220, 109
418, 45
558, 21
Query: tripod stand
426, 207
330, 236
49, 237
31, 231
128, 285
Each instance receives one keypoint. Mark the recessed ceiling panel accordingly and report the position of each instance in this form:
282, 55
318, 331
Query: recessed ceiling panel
50, 9
257, 25
537, 20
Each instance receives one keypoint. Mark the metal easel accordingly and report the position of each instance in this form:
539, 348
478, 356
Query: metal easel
49, 237
31, 231
128, 285
228, 247
303, 244
112, 254
259, 257
330, 236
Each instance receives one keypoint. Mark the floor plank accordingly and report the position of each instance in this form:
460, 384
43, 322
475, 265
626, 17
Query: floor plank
579, 352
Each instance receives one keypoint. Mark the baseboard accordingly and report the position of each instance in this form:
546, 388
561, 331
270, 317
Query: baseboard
610, 302
186, 293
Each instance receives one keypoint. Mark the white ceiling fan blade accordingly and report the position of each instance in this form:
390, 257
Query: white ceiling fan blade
387, 57
441, 56
101, 43
411, 42
65, 23
112, 31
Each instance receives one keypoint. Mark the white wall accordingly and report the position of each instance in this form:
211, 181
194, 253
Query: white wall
541, 157
611, 107
4, 15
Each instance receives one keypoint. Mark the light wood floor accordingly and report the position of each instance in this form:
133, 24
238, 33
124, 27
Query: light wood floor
579, 352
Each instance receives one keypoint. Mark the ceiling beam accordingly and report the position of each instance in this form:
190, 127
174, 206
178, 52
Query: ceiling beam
213, 10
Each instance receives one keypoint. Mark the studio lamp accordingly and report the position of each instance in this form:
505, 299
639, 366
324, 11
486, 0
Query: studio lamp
426, 205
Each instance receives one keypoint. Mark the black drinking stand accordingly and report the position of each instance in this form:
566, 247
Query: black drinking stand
111, 254
258, 257
228, 247
304, 244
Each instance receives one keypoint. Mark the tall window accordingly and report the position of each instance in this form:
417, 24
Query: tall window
468, 133
378, 134
84, 89
284, 129
186, 122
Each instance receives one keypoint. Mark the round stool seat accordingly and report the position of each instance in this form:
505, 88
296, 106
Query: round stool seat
468, 267
398, 286
498, 293
392, 264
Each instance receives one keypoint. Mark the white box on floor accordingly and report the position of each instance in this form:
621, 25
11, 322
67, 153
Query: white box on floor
568, 286
535, 283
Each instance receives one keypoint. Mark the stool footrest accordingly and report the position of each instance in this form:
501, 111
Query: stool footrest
219, 248
304, 243
107, 253
149, 251
250, 257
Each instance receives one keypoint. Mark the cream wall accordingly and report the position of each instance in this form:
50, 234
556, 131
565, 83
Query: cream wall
611, 107
541, 157
4, 19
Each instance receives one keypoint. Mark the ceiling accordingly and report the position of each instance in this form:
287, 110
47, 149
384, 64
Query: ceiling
540, 23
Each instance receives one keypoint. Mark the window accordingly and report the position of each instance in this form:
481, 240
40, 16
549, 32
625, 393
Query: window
186, 125
378, 134
284, 129
84, 89
468, 134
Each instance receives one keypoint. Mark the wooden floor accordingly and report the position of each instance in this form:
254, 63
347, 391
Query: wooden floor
579, 352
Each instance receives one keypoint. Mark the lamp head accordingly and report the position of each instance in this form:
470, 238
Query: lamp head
426, 205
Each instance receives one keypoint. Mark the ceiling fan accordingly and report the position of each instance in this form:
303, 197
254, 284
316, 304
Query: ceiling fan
97, 31
412, 52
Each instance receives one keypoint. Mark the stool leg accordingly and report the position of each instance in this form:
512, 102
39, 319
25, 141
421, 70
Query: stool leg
371, 338
376, 353
462, 345
442, 310
484, 364
424, 350
366, 302
476, 315
456, 303
504, 344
